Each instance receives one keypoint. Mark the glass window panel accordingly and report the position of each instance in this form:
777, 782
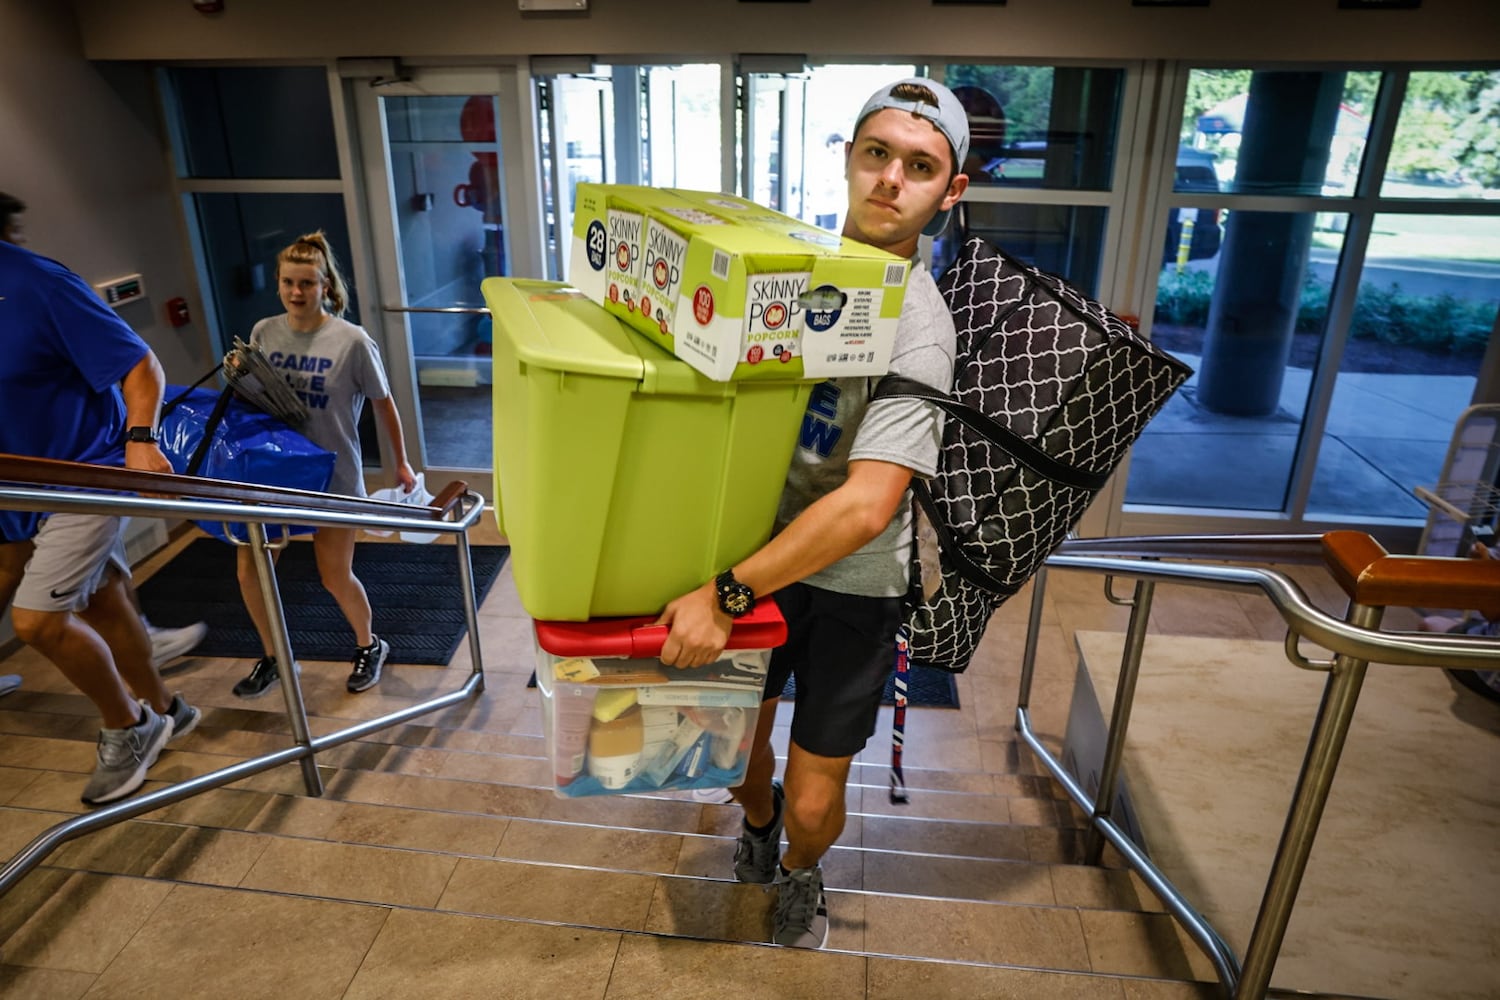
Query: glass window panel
1425, 313
448, 194
588, 108
1250, 321
685, 126
1066, 240
1192, 234
243, 233
1040, 126
254, 122
1447, 142
768, 113
1283, 132
457, 425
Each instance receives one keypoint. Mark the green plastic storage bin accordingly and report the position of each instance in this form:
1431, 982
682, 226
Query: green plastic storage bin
623, 478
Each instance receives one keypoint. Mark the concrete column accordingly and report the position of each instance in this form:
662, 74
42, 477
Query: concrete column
1285, 140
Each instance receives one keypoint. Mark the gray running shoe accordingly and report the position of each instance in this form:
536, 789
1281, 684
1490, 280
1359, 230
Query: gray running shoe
801, 910
368, 661
758, 859
167, 644
184, 716
124, 757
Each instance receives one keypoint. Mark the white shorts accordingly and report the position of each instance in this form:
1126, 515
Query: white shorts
73, 554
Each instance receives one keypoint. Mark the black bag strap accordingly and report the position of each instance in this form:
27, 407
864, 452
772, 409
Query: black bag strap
210, 427
951, 551
171, 404
1015, 445
215, 417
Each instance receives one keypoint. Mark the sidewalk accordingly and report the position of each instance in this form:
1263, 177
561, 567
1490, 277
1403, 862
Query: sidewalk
1385, 435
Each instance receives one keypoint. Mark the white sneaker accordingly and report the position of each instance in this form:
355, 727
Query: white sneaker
167, 644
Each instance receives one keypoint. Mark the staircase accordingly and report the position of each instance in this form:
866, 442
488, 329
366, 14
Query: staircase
439, 863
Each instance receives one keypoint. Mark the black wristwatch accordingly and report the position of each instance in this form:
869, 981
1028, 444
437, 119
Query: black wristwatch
141, 435
735, 599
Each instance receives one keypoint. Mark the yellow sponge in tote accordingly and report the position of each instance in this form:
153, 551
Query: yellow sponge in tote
611, 702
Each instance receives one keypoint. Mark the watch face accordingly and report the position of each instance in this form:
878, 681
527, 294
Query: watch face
735, 598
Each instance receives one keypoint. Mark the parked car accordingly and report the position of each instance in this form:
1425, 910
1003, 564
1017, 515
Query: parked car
1024, 165
1195, 173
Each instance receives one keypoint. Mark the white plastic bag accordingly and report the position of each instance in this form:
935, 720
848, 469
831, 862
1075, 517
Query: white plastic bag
418, 497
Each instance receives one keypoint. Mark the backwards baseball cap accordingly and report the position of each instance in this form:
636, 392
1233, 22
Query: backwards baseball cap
947, 116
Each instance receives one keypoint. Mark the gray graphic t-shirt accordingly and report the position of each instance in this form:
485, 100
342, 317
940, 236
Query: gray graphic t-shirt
334, 370
841, 424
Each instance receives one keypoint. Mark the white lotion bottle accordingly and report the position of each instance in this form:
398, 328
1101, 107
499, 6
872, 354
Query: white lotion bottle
572, 713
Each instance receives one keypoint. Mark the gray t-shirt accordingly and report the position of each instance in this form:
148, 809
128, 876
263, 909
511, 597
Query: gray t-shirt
841, 424
334, 370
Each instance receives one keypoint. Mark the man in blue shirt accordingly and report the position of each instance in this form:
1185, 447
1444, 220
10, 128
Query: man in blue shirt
77, 384
17, 528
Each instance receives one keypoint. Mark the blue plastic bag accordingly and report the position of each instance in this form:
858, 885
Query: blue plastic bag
248, 447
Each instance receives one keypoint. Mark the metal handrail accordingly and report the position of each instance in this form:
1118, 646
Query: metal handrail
457, 518
1411, 649
1355, 641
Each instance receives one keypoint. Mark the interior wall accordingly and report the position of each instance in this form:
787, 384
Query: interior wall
83, 149
1235, 30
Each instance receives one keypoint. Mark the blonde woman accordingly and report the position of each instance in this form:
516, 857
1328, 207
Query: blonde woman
334, 367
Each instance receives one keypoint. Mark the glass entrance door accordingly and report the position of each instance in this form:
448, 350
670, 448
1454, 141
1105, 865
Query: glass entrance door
442, 151
631, 124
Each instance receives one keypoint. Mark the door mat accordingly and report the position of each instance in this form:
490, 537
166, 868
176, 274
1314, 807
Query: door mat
414, 593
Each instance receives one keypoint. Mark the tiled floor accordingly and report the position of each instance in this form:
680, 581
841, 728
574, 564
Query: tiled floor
390, 885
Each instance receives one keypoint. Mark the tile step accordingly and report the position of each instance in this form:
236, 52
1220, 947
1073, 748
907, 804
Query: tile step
970, 932
236, 815
1020, 800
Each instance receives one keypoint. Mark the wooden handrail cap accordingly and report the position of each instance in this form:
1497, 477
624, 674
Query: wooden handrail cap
1374, 578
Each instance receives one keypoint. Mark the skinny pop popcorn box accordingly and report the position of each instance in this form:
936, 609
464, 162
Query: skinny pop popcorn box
734, 289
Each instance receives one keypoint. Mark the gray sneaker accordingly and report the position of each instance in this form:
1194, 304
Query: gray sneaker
801, 910
124, 757
757, 859
167, 644
184, 716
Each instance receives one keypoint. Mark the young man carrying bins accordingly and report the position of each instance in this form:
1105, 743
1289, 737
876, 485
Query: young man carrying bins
838, 561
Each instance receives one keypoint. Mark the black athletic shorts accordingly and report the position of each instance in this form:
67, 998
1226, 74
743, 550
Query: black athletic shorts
841, 648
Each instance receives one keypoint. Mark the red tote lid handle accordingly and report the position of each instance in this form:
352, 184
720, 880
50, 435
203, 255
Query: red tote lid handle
638, 638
